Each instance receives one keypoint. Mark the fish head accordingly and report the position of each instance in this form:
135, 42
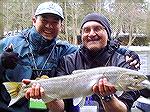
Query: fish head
130, 80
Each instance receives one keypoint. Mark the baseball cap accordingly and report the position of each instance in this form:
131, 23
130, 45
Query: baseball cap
49, 7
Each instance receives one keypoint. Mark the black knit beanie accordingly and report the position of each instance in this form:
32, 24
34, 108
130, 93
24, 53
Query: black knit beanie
98, 18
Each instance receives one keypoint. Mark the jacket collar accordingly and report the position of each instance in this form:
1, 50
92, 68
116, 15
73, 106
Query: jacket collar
38, 43
100, 57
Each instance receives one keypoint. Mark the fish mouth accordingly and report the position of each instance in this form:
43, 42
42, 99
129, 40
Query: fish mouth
136, 85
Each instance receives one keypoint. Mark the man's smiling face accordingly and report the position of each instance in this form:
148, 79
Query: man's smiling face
94, 35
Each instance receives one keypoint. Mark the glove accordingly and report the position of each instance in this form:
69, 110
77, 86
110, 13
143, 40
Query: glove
131, 57
134, 59
129, 53
9, 59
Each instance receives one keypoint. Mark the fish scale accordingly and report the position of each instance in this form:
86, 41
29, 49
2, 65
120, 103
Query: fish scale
79, 83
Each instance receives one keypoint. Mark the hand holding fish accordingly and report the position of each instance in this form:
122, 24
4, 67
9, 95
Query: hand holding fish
35, 91
104, 88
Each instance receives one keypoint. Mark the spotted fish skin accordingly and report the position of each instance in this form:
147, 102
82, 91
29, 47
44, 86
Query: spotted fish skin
80, 82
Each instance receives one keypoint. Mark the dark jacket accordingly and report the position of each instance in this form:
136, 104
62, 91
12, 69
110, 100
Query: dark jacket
25, 44
84, 59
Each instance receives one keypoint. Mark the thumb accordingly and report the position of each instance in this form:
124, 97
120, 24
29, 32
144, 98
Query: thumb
9, 48
26, 81
95, 88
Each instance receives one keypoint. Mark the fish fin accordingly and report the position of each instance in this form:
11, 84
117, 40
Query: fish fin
79, 101
14, 100
81, 104
78, 71
48, 98
119, 87
13, 88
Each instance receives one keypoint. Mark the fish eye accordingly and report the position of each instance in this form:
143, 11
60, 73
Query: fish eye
136, 77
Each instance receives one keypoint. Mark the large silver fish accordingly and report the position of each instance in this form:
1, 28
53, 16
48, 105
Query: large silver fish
79, 83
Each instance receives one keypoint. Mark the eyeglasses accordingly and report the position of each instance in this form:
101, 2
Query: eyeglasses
96, 29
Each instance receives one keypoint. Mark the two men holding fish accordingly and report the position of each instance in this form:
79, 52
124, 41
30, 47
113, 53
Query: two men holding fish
33, 53
97, 50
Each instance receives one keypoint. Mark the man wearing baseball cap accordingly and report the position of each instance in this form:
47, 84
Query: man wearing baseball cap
31, 54
49, 7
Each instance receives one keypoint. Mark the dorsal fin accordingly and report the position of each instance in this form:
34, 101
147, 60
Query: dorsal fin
79, 101
78, 71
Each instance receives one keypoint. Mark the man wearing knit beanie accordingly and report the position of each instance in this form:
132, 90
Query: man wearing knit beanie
98, 49
99, 18
96, 31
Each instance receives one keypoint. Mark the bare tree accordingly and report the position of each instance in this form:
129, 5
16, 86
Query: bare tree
131, 18
1, 19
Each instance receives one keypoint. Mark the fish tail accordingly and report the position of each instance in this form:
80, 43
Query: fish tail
14, 89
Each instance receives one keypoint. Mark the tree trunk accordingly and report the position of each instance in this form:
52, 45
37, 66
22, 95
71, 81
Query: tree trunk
1, 19
66, 30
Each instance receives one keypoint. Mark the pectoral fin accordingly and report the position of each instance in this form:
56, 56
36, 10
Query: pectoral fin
79, 101
48, 98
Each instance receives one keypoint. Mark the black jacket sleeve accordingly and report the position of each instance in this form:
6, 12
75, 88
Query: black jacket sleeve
2, 71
